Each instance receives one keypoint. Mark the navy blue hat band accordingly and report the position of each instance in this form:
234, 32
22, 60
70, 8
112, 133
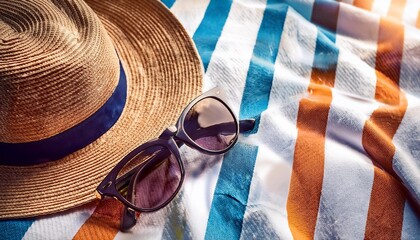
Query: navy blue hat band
71, 140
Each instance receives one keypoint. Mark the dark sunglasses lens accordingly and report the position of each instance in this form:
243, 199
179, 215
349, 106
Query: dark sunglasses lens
150, 179
211, 125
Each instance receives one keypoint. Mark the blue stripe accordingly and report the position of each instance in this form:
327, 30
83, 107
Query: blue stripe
261, 70
168, 3
326, 51
71, 140
14, 229
304, 8
231, 194
327, 25
232, 188
210, 29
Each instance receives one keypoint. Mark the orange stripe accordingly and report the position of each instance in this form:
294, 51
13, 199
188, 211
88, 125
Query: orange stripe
308, 163
396, 8
386, 207
364, 4
384, 122
104, 223
418, 20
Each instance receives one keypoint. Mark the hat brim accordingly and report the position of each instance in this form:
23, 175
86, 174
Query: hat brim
164, 73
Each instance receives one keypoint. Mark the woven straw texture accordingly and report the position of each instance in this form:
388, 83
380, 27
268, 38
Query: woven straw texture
58, 66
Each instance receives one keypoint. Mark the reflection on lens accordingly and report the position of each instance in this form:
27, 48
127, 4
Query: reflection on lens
152, 183
211, 125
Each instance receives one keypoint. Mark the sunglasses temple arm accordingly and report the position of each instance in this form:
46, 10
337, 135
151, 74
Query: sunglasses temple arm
246, 125
129, 218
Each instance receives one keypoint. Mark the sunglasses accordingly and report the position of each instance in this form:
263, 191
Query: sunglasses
150, 176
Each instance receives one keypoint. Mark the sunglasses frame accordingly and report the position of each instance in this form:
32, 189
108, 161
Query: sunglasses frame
171, 139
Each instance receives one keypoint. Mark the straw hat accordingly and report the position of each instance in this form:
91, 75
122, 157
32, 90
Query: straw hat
82, 84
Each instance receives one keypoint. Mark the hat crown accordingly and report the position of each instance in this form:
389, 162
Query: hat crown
57, 67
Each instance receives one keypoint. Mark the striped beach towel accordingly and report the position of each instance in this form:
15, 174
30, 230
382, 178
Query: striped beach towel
335, 89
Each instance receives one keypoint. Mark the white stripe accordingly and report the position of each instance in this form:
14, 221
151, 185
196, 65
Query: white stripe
229, 64
407, 153
59, 226
146, 234
350, 2
348, 171
410, 72
149, 226
190, 13
407, 138
411, 11
381, 7
355, 74
228, 69
366, 32
200, 183
277, 132
411, 224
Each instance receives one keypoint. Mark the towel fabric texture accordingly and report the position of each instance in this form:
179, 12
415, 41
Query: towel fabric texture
335, 154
